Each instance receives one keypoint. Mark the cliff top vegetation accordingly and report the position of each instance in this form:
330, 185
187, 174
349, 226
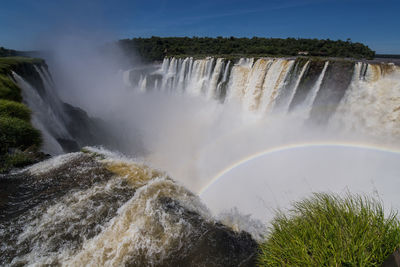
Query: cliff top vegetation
19, 139
7, 63
156, 48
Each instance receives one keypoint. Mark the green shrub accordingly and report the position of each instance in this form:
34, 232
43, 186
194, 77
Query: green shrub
327, 230
17, 133
17, 159
8, 89
13, 109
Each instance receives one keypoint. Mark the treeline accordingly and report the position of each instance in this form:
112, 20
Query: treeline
156, 48
387, 56
7, 52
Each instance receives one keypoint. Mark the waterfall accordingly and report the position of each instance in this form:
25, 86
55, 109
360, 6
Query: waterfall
213, 85
254, 86
125, 78
200, 77
238, 80
263, 85
371, 104
182, 74
293, 92
274, 82
64, 127
50, 96
309, 101
223, 82
143, 83
44, 117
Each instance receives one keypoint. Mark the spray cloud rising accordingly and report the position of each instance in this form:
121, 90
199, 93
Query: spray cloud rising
195, 118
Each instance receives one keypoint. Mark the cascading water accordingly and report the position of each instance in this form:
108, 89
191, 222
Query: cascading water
309, 101
273, 83
254, 84
266, 85
372, 102
64, 127
44, 117
121, 213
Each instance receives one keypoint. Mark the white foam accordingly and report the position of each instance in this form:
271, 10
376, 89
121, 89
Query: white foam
52, 163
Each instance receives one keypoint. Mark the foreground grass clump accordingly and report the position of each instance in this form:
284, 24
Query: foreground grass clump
14, 109
18, 142
17, 133
327, 230
17, 159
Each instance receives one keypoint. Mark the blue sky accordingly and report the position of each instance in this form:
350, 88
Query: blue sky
24, 24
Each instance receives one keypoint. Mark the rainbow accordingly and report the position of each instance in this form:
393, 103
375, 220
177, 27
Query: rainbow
373, 147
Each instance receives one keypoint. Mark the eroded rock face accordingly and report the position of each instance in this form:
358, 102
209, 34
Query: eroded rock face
28, 71
92, 209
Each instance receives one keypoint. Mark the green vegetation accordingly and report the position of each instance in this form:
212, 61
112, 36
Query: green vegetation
156, 48
19, 140
17, 159
7, 52
14, 109
93, 154
17, 133
387, 56
8, 63
327, 230
8, 89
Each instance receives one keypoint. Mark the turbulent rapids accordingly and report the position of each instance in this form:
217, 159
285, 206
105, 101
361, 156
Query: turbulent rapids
96, 208
220, 127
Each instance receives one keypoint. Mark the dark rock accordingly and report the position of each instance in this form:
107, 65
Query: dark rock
290, 82
86, 131
393, 260
211, 243
29, 73
337, 79
91, 131
68, 145
309, 78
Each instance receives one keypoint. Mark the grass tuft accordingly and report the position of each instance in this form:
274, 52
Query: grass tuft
328, 230
17, 133
17, 159
8, 89
14, 109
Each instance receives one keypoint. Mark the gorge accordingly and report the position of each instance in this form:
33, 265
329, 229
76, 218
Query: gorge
211, 147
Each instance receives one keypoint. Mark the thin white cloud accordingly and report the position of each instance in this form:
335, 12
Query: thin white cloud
292, 4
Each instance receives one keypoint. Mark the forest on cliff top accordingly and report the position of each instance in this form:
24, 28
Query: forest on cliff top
156, 48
